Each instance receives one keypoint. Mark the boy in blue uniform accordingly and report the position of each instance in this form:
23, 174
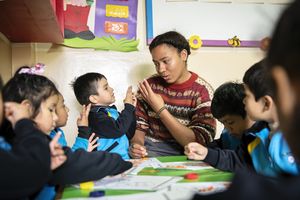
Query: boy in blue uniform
114, 129
257, 149
283, 65
227, 106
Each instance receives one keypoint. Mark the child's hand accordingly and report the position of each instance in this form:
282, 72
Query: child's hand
137, 151
92, 141
16, 111
130, 97
135, 162
195, 151
58, 156
83, 119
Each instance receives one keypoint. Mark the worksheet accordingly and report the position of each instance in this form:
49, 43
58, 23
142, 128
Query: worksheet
133, 182
187, 165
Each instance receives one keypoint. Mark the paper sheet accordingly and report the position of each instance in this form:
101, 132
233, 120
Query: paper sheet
133, 182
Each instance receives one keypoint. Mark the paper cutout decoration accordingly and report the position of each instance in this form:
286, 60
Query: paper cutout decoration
195, 42
115, 25
234, 42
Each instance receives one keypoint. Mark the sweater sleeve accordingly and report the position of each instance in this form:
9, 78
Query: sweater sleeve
107, 127
82, 166
26, 168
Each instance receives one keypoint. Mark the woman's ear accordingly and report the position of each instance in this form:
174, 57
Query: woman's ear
184, 55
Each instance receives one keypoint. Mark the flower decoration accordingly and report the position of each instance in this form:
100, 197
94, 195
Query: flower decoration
195, 42
37, 69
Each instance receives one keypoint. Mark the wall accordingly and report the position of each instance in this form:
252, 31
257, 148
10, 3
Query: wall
5, 58
216, 65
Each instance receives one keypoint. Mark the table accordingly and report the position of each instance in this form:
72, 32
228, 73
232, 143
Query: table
211, 175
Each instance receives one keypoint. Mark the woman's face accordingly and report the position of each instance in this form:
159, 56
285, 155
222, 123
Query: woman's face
170, 64
47, 117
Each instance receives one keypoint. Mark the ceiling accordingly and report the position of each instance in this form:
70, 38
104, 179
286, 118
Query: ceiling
32, 20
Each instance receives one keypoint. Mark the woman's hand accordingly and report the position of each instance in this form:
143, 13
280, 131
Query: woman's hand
137, 151
154, 100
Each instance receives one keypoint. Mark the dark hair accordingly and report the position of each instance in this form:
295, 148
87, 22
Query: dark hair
257, 79
284, 51
20, 68
34, 88
86, 85
228, 100
285, 44
171, 38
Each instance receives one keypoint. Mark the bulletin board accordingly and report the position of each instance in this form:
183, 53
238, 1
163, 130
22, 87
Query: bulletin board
215, 22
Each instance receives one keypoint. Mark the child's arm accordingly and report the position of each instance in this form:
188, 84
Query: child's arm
223, 159
82, 166
195, 151
107, 127
26, 168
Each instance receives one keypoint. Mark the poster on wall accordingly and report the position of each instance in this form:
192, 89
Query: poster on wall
114, 23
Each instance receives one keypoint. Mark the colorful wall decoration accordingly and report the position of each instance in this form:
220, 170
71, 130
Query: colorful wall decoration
214, 23
114, 24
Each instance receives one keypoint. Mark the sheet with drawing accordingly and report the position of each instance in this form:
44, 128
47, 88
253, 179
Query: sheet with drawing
133, 182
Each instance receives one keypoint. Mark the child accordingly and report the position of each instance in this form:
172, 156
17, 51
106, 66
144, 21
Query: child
26, 166
269, 153
283, 65
113, 128
227, 106
82, 122
42, 96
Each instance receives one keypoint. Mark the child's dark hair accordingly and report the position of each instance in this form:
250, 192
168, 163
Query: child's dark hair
285, 44
171, 38
257, 79
31, 87
228, 100
86, 85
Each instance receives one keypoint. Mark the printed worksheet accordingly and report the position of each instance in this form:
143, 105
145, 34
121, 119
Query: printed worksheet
133, 182
187, 165
149, 162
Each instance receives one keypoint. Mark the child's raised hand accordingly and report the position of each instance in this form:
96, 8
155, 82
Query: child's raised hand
16, 111
195, 151
84, 116
93, 143
130, 97
58, 156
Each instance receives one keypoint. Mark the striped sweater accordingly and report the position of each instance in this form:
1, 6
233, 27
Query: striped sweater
188, 102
